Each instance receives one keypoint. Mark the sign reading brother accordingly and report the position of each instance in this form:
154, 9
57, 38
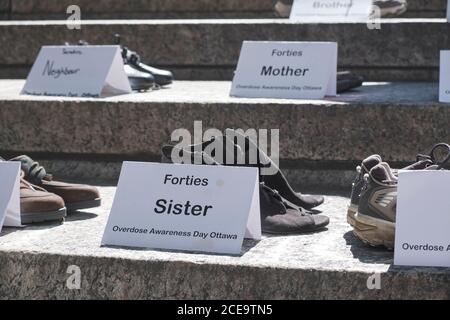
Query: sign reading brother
184, 207
331, 10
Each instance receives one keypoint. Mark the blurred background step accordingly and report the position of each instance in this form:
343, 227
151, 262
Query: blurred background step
320, 141
172, 9
402, 50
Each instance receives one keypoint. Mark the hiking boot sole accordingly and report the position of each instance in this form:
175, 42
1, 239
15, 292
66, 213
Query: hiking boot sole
73, 206
375, 232
28, 218
351, 212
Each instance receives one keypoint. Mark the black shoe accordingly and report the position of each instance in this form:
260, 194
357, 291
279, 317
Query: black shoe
278, 216
277, 181
139, 81
162, 77
347, 81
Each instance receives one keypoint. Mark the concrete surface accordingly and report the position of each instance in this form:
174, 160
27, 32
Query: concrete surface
396, 120
331, 264
146, 9
410, 46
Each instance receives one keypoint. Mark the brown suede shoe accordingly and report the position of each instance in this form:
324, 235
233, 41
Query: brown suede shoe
76, 196
38, 205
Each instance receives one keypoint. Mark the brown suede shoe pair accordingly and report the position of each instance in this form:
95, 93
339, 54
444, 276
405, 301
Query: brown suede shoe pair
43, 199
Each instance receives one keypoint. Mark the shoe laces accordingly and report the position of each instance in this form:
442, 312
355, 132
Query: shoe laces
37, 173
27, 185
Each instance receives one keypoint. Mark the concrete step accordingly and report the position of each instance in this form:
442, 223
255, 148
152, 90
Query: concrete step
326, 137
172, 9
331, 264
403, 50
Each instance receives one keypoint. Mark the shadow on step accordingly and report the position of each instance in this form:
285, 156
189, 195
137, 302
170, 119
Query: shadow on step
367, 254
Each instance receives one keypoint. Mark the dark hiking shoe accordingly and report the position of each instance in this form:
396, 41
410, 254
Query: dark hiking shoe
375, 219
365, 167
76, 196
438, 156
390, 8
278, 216
38, 205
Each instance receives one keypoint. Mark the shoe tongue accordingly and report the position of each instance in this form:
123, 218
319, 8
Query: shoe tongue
371, 162
380, 173
419, 165
33, 172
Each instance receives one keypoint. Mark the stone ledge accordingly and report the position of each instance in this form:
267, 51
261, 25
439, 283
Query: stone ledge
379, 118
199, 44
329, 265
146, 9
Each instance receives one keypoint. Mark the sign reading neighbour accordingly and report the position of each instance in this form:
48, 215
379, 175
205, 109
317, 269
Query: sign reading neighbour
331, 10
290, 70
422, 235
184, 207
77, 71
444, 76
10, 194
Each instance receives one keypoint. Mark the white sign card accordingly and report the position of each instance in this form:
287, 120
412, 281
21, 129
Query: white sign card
448, 11
422, 236
444, 76
10, 194
78, 71
289, 70
331, 10
184, 207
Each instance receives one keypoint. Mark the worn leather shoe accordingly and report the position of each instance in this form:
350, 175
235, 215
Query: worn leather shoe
38, 205
75, 196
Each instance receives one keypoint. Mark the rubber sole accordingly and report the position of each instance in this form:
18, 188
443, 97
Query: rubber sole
306, 231
140, 85
351, 212
36, 217
374, 232
73, 206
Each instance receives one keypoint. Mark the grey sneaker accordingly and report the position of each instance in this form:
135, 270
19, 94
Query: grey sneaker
438, 156
282, 8
390, 8
375, 219
365, 167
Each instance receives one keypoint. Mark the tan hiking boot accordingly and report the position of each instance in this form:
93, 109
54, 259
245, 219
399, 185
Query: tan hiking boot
75, 196
38, 205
